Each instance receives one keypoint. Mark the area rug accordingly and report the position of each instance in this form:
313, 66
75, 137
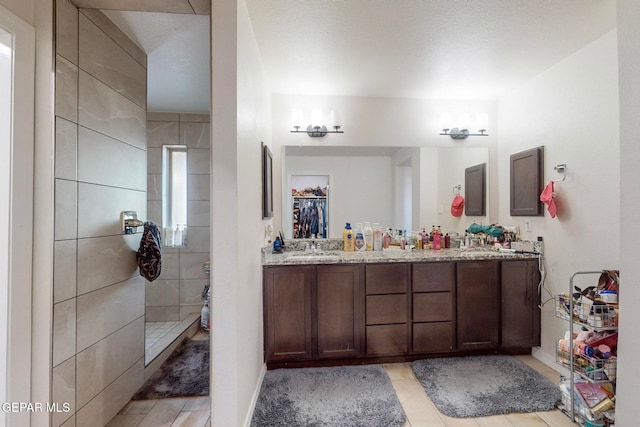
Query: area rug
479, 386
184, 373
343, 396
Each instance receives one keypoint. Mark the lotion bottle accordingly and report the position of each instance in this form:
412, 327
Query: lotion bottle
348, 238
368, 236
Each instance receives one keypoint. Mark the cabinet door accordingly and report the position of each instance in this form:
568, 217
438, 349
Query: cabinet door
340, 302
287, 313
478, 305
520, 299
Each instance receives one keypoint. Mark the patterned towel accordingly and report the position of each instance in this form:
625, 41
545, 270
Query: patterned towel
149, 255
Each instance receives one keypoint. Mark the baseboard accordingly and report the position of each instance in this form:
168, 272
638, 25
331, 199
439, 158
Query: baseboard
549, 361
254, 398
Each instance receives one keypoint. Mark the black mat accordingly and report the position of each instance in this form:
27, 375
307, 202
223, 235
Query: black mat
343, 396
479, 386
184, 373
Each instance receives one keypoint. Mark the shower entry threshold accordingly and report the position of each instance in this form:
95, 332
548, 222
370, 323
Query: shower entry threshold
162, 338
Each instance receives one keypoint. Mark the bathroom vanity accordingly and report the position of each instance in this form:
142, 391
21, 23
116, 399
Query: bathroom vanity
338, 308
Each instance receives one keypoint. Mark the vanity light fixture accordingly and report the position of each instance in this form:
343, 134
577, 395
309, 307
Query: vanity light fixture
316, 131
456, 133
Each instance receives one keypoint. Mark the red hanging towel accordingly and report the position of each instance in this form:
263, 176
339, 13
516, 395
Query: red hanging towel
547, 197
457, 206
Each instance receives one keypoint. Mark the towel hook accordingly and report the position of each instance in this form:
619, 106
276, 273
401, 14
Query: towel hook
561, 169
457, 189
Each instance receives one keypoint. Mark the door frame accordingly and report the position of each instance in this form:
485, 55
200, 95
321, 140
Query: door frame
16, 283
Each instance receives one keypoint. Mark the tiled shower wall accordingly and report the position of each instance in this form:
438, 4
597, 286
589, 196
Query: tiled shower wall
100, 170
178, 290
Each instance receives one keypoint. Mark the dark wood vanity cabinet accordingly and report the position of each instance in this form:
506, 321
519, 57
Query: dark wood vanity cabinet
433, 307
313, 312
478, 305
288, 313
340, 312
520, 301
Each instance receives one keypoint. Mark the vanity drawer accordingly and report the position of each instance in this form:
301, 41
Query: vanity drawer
386, 278
387, 339
432, 307
433, 337
382, 309
434, 276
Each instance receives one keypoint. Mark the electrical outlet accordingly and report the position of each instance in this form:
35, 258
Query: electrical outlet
527, 225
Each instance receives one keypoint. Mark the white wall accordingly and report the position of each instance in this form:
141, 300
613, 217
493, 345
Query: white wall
571, 109
627, 408
361, 189
240, 121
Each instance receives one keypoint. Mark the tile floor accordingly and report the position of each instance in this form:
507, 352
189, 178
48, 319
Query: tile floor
160, 335
420, 411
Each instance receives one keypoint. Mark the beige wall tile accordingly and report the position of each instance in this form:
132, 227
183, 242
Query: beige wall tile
201, 7
163, 116
101, 409
170, 266
64, 331
162, 292
198, 213
99, 209
154, 187
192, 117
66, 103
198, 161
66, 209
191, 291
105, 24
191, 265
104, 261
161, 133
197, 240
64, 270
195, 135
154, 160
163, 314
66, 149
67, 30
198, 187
103, 312
99, 365
187, 310
107, 161
103, 58
154, 212
102, 109
64, 390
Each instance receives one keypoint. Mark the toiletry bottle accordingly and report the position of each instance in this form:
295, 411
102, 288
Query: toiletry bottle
348, 238
368, 236
447, 241
436, 241
377, 237
425, 239
359, 242
386, 239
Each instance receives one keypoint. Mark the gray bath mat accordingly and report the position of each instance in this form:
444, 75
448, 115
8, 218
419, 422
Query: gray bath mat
479, 386
184, 373
343, 396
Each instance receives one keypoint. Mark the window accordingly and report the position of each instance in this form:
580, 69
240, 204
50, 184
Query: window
174, 195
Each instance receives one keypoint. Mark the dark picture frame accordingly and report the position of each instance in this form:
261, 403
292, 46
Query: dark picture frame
526, 182
267, 182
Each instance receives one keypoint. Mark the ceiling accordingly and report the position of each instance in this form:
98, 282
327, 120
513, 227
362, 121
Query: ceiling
438, 49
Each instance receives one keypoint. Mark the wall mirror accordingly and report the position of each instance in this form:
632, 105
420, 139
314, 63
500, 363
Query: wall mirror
398, 187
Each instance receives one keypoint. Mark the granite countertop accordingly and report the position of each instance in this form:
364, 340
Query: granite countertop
333, 256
